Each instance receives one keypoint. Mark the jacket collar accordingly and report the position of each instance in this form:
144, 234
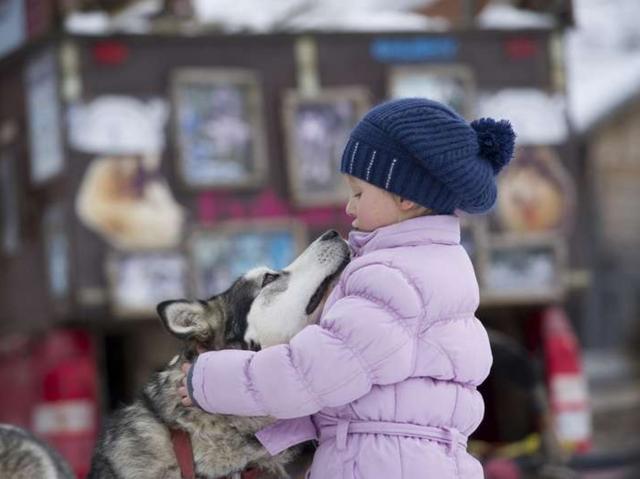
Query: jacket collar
442, 229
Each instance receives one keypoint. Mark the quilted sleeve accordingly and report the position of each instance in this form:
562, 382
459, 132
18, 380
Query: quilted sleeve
367, 337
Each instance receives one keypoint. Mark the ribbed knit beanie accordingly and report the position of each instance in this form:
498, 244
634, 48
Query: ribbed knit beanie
425, 152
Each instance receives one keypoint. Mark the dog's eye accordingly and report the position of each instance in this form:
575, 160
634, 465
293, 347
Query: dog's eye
269, 278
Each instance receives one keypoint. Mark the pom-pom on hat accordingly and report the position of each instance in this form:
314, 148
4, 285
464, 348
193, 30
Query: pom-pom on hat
425, 152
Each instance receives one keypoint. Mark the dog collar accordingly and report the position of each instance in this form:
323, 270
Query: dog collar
181, 442
183, 450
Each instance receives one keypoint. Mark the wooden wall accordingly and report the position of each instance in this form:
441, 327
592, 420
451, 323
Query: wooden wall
343, 59
613, 164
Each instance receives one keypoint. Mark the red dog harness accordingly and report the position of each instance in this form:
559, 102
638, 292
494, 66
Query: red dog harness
184, 454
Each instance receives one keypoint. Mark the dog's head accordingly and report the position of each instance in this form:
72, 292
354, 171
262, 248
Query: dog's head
262, 308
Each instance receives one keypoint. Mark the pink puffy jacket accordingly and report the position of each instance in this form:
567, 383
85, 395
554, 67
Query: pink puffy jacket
387, 380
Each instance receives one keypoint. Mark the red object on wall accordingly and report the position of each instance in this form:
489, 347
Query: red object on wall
110, 52
17, 374
66, 415
521, 48
568, 394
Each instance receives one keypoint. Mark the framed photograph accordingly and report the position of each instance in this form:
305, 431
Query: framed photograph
57, 252
317, 129
9, 207
46, 153
219, 129
129, 204
119, 125
138, 281
537, 194
221, 254
453, 85
524, 270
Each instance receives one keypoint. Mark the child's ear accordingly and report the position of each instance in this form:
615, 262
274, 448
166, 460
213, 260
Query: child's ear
406, 205
185, 319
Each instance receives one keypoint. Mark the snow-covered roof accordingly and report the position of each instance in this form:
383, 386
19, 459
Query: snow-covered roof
324, 15
537, 117
133, 19
602, 59
507, 17
253, 16
602, 51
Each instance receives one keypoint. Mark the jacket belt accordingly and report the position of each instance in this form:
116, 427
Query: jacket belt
449, 436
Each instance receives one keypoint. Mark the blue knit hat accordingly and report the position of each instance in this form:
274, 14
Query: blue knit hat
423, 151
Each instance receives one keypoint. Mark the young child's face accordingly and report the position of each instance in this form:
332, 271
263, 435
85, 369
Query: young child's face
371, 207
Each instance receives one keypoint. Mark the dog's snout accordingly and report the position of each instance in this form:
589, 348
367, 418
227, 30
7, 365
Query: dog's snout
329, 235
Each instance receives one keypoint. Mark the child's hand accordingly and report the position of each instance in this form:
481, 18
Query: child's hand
182, 390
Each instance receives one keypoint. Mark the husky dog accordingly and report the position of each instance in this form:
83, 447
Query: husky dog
22, 456
262, 308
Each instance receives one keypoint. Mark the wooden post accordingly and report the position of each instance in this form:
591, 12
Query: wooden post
306, 52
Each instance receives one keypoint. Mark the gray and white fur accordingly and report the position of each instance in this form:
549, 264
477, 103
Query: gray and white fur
262, 308
22, 456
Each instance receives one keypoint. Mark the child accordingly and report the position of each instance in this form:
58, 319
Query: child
389, 375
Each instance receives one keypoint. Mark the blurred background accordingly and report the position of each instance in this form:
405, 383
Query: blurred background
158, 149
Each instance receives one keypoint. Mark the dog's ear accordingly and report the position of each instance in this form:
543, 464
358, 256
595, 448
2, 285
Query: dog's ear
185, 319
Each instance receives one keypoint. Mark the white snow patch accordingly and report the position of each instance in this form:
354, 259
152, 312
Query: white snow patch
536, 116
603, 58
507, 17
318, 15
133, 19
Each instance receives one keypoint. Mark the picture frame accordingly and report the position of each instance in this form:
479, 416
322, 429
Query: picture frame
537, 194
128, 203
524, 270
218, 122
44, 121
57, 252
219, 255
10, 224
316, 130
119, 125
139, 281
451, 84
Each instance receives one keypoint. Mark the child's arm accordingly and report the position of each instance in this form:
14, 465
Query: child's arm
368, 337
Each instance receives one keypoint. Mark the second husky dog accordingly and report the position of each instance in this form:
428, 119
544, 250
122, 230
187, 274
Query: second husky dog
22, 456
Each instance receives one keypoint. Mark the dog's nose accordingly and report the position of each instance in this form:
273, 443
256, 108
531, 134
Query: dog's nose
329, 235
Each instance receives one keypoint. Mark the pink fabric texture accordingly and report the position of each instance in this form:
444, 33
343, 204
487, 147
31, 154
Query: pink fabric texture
398, 343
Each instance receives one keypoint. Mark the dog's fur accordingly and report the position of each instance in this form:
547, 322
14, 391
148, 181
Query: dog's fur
22, 456
262, 308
